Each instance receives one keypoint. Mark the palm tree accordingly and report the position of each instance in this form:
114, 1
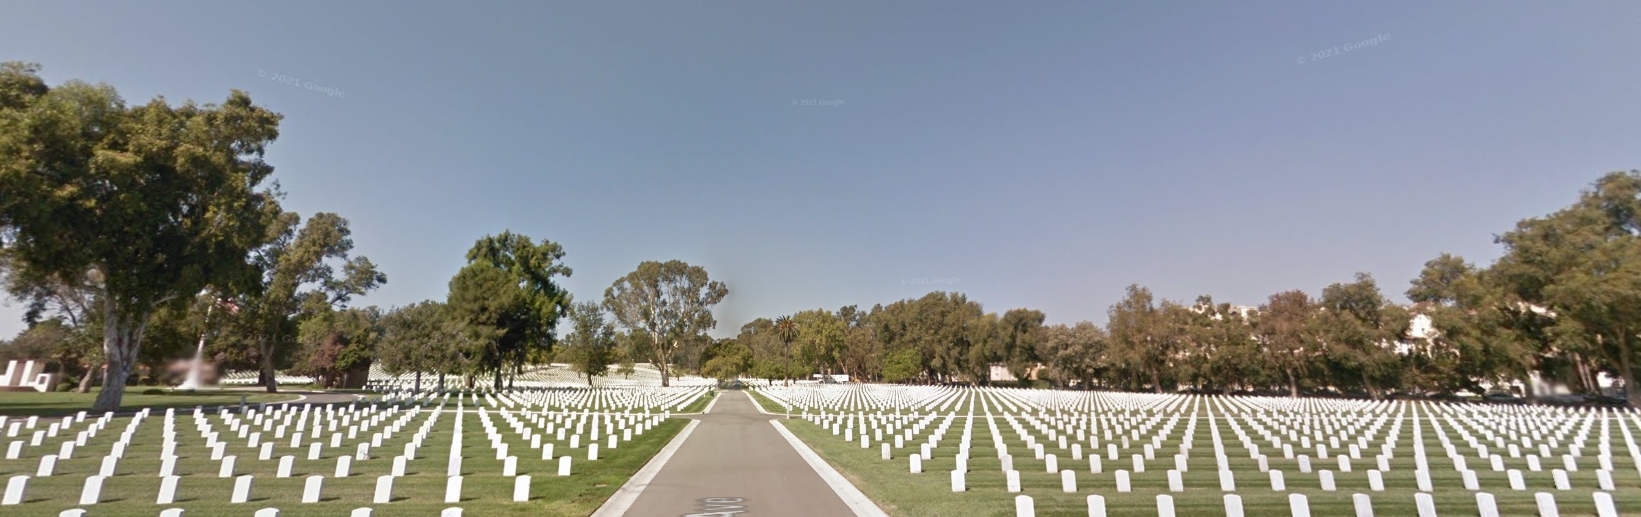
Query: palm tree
786, 330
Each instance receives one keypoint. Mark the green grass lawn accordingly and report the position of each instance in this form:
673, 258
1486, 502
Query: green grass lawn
768, 405
700, 403
901, 493
21, 403
420, 493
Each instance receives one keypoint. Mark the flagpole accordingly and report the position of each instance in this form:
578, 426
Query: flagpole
193, 382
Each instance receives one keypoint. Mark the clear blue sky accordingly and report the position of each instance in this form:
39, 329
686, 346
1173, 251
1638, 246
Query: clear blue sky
1043, 155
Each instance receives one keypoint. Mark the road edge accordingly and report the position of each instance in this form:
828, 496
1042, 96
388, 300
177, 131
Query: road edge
755, 403
715, 397
624, 497
851, 496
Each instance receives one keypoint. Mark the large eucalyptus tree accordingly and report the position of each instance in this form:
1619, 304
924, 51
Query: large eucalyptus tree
668, 302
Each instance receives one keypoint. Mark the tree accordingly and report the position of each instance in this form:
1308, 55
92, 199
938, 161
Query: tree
668, 301
511, 299
1139, 340
421, 338
337, 342
1074, 353
786, 330
147, 205
74, 308
1480, 331
726, 360
1019, 333
591, 346
902, 365
939, 327
1286, 327
1581, 266
299, 279
861, 355
489, 304
1361, 329
820, 335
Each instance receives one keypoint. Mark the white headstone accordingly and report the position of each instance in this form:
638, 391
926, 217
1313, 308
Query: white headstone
1298, 505
242, 489
286, 464
384, 490
93, 491
1165, 505
168, 490
14, 490
453, 490
48, 466
1023, 506
1425, 503
521, 489
311, 489
1604, 506
1546, 504
1486, 506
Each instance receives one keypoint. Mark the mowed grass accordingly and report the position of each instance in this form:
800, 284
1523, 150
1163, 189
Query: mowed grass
22, 403
700, 403
900, 493
485, 491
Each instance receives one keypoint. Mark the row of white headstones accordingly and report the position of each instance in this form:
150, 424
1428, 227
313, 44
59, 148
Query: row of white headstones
1130, 416
532, 422
1362, 504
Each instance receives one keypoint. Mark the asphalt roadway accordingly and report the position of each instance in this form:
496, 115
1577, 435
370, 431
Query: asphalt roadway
736, 464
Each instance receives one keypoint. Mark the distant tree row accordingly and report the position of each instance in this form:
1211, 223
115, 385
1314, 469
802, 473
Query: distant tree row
1562, 303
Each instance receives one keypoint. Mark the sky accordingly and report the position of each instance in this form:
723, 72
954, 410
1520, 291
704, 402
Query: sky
816, 155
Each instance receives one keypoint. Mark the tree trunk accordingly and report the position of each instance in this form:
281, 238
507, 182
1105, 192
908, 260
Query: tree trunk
1627, 368
90, 371
665, 356
1293, 384
441, 381
418, 381
270, 380
122, 338
1156, 380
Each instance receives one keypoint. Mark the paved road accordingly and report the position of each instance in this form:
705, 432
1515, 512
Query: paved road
736, 454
